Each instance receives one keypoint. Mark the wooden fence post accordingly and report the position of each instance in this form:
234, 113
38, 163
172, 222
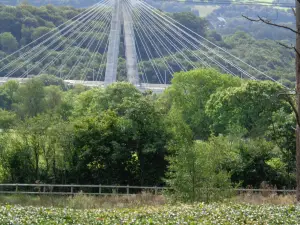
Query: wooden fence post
100, 189
127, 189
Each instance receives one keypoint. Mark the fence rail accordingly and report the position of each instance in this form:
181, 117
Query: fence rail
71, 189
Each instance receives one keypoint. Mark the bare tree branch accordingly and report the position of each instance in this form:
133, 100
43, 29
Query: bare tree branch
290, 47
289, 100
298, 53
260, 19
294, 11
286, 46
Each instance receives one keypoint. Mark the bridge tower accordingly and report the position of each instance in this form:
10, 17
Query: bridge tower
121, 16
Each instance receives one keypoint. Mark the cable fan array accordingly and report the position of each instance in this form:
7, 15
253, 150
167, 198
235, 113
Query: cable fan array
69, 51
179, 48
77, 49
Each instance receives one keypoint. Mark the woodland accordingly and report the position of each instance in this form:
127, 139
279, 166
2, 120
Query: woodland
208, 129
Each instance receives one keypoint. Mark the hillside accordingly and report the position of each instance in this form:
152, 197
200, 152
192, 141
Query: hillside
23, 24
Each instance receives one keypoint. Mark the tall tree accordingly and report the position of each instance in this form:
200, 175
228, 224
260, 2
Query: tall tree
30, 98
250, 106
189, 93
8, 43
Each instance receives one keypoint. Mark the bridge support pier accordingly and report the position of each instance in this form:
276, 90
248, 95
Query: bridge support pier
130, 50
114, 45
120, 15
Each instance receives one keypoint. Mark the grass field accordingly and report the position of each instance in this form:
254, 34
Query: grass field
216, 213
205, 10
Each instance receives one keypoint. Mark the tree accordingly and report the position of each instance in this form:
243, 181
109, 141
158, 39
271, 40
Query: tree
194, 173
278, 60
53, 99
33, 133
101, 150
193, 22
8, 43
9, 23
282, 133
7, 94
39, 32
254, 165
63, 159
18, 162
249, 106
48, 80
148, 140
7, 119
189, 93
30, 99
125, 133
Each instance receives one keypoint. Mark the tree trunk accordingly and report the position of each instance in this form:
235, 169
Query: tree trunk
142, 167
298, 98
298, 162
36, 156
37, 173
54, 165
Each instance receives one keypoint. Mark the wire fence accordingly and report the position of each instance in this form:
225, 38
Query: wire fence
72, 189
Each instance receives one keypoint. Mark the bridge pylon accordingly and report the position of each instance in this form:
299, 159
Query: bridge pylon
121, 16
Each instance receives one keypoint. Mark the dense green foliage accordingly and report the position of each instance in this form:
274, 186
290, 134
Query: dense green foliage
206, 130
95, 136
239, 125
234, 214
265, 55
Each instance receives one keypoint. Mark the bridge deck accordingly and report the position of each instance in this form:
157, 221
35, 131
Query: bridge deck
156, 88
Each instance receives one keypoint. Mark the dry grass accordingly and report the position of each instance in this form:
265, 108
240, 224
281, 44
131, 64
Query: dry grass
82, 201
89, 202
259, 198
268, 195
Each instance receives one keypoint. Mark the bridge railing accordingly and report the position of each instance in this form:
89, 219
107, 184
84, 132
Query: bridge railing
71, 189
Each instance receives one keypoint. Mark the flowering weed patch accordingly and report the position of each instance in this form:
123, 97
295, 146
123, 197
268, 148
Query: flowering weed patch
216, 213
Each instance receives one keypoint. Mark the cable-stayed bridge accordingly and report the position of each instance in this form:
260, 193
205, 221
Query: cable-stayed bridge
153, 44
